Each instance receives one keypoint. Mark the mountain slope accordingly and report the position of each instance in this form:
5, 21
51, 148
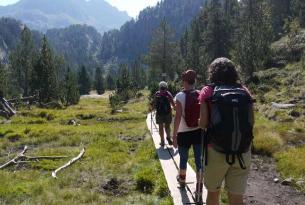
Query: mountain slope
46, 14
79, 44
134, 37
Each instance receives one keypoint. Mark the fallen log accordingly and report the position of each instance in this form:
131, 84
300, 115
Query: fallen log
282, 106
29, 98
6, 107
72, 161
14, 160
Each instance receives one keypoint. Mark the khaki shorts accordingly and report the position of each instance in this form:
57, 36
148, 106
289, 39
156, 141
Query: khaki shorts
218, 171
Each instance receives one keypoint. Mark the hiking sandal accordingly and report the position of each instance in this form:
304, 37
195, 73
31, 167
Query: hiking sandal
169, 140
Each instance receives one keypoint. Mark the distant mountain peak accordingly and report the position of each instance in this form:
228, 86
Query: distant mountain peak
47, 14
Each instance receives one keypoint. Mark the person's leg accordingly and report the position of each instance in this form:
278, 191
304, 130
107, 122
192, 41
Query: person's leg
197, 148
236, 199
184, 155
213, 198
168, 133
161, 132
236, 180
214, 174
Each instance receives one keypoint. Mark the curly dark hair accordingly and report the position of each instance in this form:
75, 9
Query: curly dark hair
223, 70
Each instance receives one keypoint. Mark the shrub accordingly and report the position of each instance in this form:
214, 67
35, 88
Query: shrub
266, 142
145, 180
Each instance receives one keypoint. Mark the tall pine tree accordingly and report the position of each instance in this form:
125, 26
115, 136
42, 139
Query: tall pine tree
99, 81
162, 52
124, 82
71, 92
254, 36
298, 9
84, 82
3, 80
22, 61
44, 77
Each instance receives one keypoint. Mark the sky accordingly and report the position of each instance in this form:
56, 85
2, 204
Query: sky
133, 7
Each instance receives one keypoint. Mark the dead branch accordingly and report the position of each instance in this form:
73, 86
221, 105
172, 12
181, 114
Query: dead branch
69, 163
22, 158
15, 159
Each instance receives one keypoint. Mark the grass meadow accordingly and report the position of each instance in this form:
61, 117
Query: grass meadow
120, 165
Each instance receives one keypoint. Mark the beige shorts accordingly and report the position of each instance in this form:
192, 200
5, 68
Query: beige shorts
218, 171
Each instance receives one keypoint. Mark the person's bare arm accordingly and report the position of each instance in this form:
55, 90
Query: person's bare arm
204, 115
177, 122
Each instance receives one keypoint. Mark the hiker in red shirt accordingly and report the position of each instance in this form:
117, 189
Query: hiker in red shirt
227, 111
186, 130
163, 101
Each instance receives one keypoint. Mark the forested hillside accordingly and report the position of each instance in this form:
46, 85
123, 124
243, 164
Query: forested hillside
79, 44
47, 14
10, 30
133, 38
241, 30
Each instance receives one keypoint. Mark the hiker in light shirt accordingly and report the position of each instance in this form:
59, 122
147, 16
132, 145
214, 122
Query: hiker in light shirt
186, 130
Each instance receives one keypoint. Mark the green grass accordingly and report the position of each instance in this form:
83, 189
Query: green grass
278, 133
291, 164
108, 156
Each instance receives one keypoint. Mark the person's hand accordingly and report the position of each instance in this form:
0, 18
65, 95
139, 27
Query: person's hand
175, 144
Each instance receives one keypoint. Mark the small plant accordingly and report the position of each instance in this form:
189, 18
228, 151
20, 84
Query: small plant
145, 180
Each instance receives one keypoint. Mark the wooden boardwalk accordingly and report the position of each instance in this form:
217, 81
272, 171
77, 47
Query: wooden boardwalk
169, 159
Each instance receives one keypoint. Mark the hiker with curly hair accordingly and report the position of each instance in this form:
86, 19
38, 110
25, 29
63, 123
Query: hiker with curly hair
226, 109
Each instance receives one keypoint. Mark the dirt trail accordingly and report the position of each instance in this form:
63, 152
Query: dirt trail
262, 190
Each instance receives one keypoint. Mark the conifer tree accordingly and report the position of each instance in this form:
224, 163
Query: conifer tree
3, 80
84, 81
193, 46
22, 61
280, 11
298, 9
124, 79
138, 75
110, 82
162, 52
44, 77
254, 36
71, 92
216, 35
99, 81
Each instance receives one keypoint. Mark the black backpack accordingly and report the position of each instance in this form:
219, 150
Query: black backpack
231, 121
163, 106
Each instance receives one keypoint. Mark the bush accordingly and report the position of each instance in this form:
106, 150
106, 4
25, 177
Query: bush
161, 189
266, 142
115, 102
145, 180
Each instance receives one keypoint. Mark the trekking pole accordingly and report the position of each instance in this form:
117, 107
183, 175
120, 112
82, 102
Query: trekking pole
200, 186
151, 122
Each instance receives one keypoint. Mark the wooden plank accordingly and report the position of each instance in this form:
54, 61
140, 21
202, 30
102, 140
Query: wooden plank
169, 159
